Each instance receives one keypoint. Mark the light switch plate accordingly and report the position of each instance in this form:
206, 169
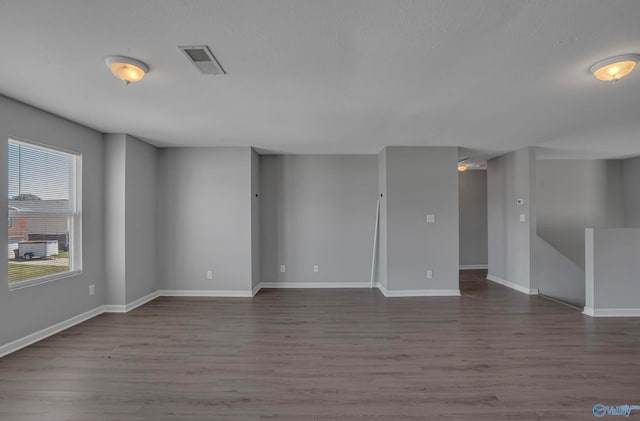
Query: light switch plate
523, 217
431, 218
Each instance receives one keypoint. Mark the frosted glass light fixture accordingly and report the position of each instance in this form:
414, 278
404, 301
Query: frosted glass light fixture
126, 69
614, 68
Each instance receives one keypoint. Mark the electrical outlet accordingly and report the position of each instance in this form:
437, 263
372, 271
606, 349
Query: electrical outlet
92, 289
429, 274
315, 268
283, 268
209, 274
431, 218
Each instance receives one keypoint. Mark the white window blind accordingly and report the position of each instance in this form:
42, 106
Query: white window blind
44, 213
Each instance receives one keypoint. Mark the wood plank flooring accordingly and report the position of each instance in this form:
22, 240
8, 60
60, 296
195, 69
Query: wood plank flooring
492, 354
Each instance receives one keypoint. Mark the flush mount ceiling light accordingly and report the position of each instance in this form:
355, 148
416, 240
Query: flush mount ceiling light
462, 167
614, 68
126, 69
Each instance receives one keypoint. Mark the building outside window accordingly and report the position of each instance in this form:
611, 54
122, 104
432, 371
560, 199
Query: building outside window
44, 230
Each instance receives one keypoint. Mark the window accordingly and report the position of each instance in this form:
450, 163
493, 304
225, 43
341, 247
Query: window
44, 213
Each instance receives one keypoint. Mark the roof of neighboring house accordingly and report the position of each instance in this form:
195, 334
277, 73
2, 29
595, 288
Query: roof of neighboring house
39, 206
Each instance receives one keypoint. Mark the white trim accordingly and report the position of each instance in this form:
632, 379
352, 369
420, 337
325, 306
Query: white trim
114, 308
315, 285
418, 292
119, 308
256, 289
203, 293
15, 286
49, 331
382, 288
421, 293
471, 267
611, 312
517, 287
141, 301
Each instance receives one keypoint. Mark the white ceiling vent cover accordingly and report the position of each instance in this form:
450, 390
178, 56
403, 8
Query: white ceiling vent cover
204, 60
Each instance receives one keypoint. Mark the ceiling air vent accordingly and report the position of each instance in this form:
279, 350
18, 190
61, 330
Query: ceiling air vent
204, 60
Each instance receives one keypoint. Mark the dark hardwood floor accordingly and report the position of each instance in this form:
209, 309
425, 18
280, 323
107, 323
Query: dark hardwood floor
350, 354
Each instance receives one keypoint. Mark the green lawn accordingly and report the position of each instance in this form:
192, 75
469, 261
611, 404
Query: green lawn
20, 272
63, 254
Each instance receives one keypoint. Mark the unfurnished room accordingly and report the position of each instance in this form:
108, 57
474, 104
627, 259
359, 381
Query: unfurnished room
349, 210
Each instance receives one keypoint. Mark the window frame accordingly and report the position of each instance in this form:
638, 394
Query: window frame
74, 215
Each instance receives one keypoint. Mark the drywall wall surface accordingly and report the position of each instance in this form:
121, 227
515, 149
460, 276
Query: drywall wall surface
204, 218
510, 179
473, 217
115, 218
28, 310
255, 219
615, 264
317, 210
381, 261
555, 275
140, 212
631, 192
422, 181
572, 195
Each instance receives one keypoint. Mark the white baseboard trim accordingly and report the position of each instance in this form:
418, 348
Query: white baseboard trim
204, 293
118, 308
611, 312
114, 308
381, 288
51, 330
472, 267
418, 292
256, 290
141, 301
315, 285
421, 293
517, 287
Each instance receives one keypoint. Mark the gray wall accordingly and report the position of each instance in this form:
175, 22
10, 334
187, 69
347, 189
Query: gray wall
631, 186
511, 177
572, 195
31, 309
554, 275
613, 264
381, 261
317, 210
255, 219
421, 181
140, 214
473, 217
115, 218
130, 219
204, 218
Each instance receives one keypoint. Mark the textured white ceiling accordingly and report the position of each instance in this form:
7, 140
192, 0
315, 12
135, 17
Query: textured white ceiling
335, 76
